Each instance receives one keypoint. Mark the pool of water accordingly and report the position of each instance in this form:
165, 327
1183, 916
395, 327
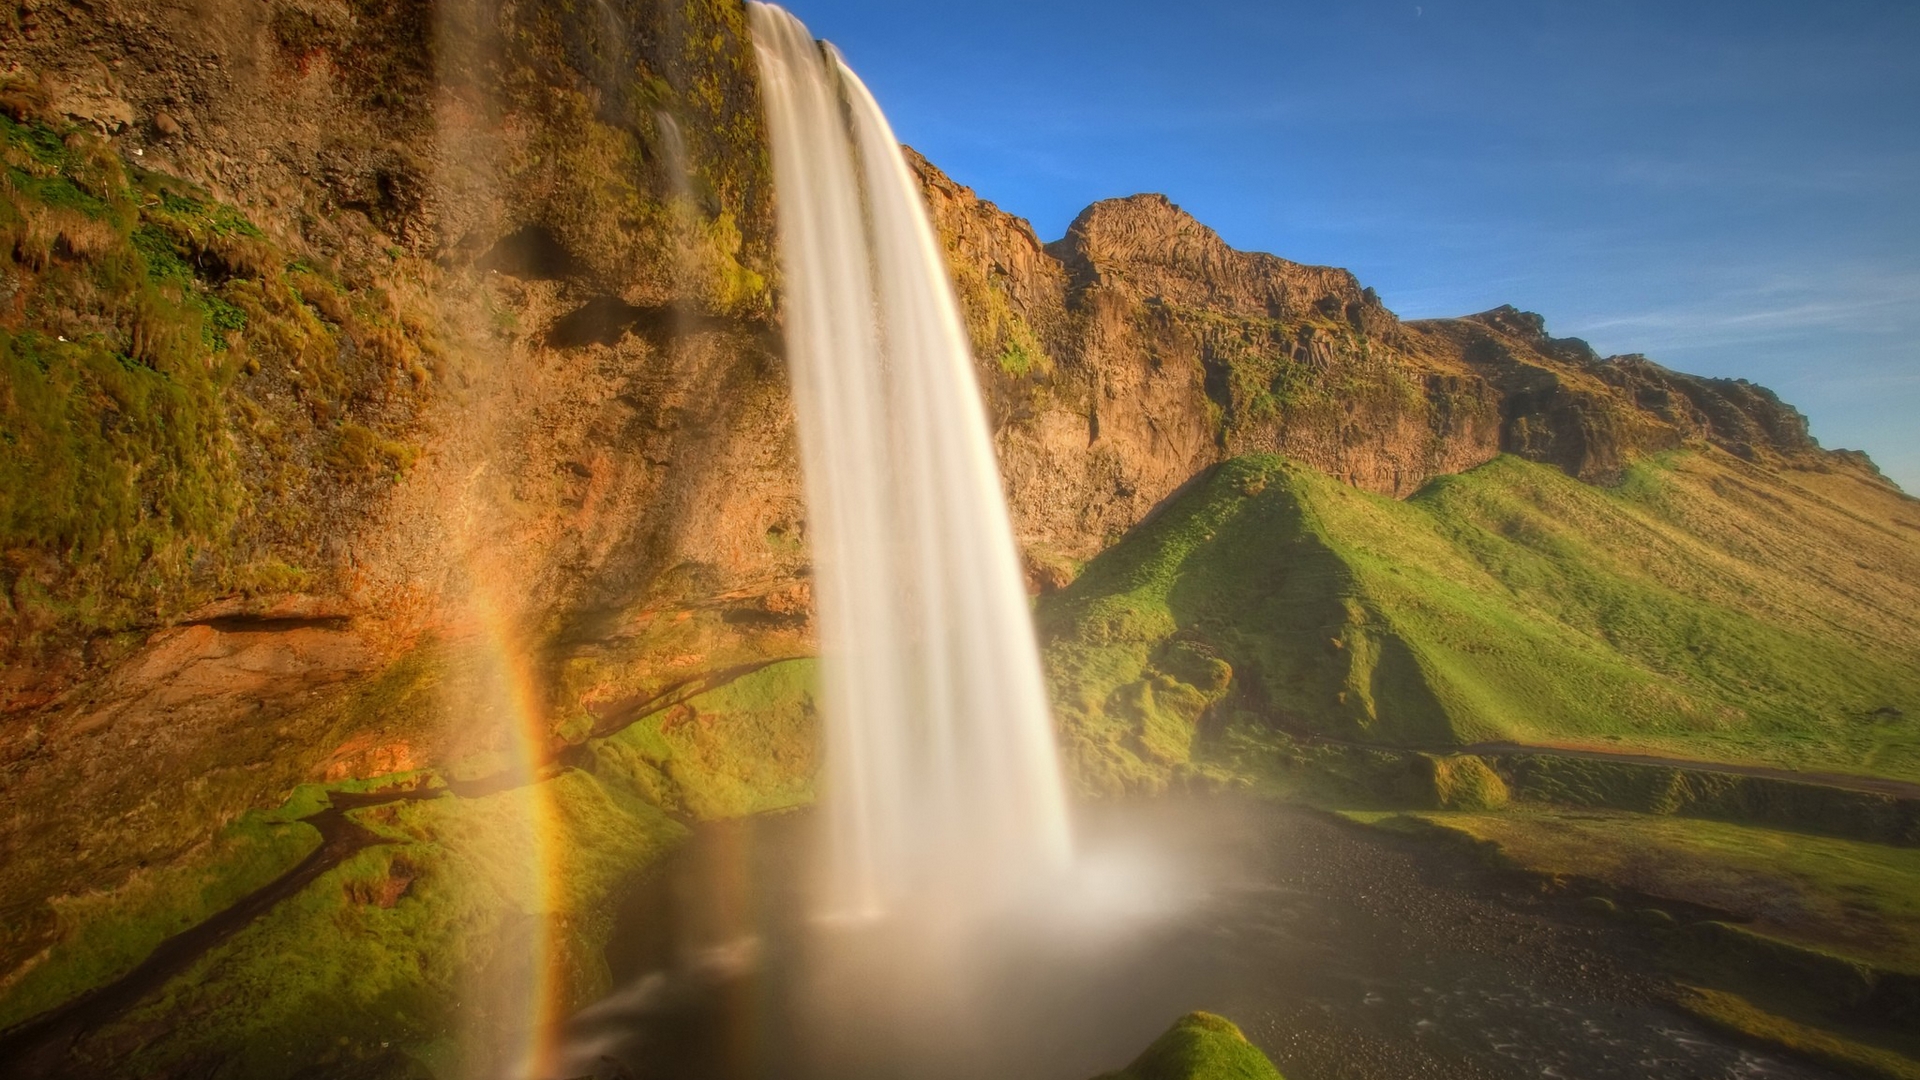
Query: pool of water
1343, 954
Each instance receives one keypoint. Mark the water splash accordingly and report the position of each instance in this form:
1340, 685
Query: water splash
942, 780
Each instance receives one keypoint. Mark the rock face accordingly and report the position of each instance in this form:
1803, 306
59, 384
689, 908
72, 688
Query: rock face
496, 389
480, 299
1163, 351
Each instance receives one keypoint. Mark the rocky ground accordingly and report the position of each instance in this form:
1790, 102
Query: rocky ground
1342, 952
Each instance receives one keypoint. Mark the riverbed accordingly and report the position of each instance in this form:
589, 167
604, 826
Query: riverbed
1345, 954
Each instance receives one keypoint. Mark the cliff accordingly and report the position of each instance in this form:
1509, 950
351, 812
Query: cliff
1140, 349
352, 356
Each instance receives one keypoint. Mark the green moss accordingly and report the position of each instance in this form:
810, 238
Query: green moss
1017, 359
995, 324
692, 222
143, 884
748, 747
102, 936
163, 391
1200, 1046
424, 949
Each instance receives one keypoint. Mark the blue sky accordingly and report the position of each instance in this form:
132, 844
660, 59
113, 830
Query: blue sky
1731, 188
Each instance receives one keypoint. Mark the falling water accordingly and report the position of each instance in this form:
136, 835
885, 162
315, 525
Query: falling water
942, 776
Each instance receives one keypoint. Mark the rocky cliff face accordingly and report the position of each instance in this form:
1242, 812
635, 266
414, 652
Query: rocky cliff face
470, 357
459, 325
1162, 351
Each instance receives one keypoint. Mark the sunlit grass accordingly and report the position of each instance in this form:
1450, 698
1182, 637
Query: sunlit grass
1856, 899
1703, 609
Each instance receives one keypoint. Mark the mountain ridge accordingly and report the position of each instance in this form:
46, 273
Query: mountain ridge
1551, 399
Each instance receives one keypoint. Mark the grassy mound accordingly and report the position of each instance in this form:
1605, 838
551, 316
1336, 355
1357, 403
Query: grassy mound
1703, 609
1200, 1046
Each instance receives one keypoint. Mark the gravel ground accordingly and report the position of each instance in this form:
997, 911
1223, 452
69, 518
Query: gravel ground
1345, 954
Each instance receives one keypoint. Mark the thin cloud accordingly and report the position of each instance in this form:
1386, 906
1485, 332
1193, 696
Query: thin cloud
1858, 303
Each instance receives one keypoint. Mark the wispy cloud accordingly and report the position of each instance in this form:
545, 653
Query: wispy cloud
1858, 302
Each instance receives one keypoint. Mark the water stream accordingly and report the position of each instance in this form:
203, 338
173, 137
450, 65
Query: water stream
942, 794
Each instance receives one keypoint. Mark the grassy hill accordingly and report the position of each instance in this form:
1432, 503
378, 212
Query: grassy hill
1272, 622
1704, 608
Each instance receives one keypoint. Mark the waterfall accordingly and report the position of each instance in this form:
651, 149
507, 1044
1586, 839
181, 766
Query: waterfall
942, 780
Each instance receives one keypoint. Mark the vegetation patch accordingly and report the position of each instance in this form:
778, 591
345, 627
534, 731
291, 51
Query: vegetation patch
1736, 1014
102, 936
1809, 807
1200, 1046
165, 387
748, 747
422, 953
1668, 616
1857, 900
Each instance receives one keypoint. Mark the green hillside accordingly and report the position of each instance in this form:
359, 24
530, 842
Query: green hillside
1705, 608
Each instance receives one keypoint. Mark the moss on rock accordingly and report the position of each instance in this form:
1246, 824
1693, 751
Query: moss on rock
1200, 1046
171, 392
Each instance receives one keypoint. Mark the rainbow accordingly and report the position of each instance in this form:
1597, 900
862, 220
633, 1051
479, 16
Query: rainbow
530, 752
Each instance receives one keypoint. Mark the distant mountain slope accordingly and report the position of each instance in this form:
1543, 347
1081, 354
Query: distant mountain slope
1139, 349
1705, 608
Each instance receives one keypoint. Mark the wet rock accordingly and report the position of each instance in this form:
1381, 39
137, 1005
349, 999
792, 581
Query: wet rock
1655, 918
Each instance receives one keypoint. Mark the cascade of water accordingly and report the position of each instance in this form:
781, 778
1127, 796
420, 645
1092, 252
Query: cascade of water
942, 778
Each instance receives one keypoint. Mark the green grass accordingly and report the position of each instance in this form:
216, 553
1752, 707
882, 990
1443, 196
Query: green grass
1857, 900
748, 747
415, 955
1200, 1046
1703, 609
412, 948
1734, 1013
178, 863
